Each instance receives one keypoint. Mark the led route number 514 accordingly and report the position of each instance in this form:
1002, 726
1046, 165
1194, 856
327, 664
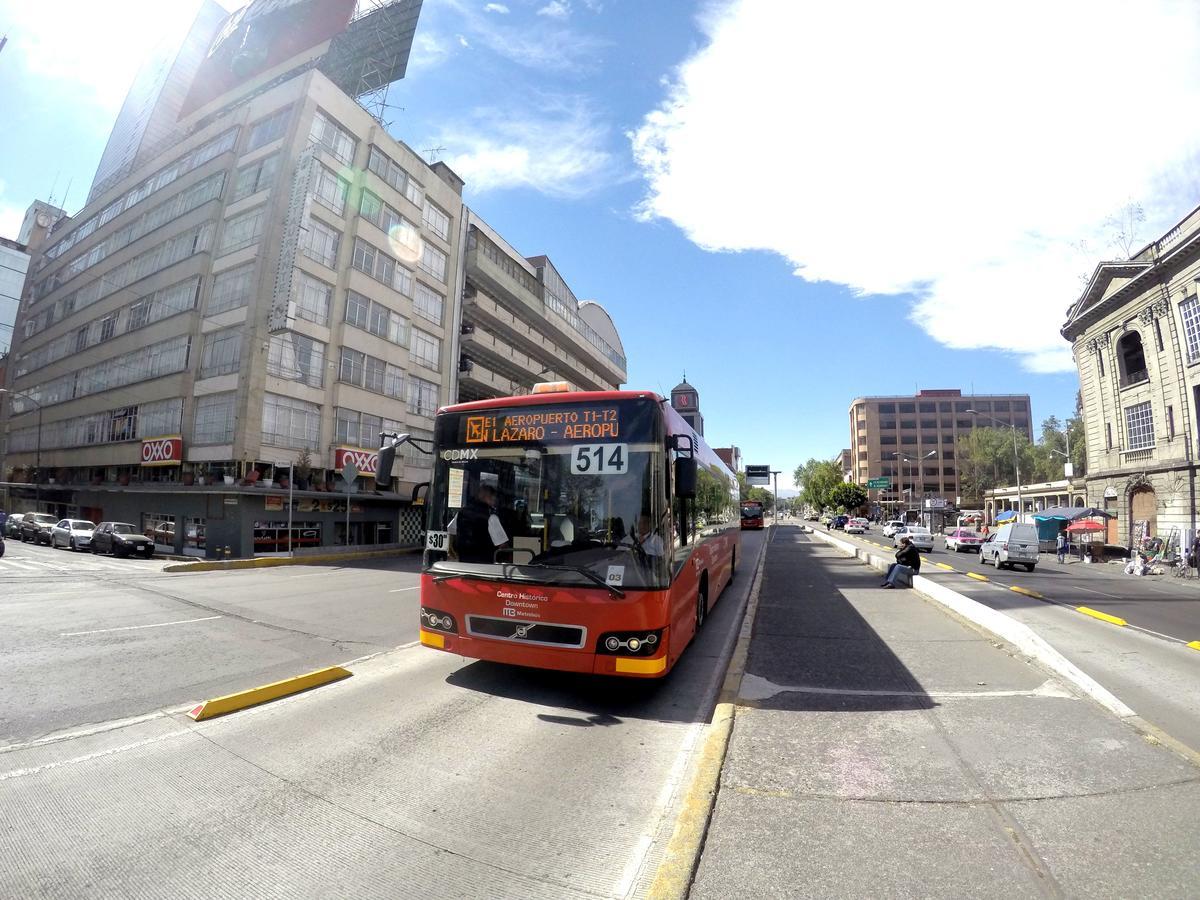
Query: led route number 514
599, 459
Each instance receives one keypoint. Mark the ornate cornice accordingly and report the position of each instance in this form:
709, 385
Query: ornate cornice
1154, 310
1097, 343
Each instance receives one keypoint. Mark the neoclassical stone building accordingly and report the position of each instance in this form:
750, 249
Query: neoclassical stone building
1135, 333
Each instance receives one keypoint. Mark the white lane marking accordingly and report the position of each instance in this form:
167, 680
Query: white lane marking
755, 687
135, 627
402, 590
33, 770
1101, 593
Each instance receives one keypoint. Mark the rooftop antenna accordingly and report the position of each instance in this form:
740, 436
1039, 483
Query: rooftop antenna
435, 153
3, 41
66, 194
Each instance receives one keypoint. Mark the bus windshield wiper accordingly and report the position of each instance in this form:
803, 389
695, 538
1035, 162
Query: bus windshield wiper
581, 570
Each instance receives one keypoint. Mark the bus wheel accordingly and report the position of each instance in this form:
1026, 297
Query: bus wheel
701, 605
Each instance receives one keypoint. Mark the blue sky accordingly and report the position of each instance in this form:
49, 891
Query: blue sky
797, 203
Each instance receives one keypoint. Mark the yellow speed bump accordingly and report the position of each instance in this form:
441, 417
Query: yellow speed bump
1195, 645
1026, 591
1104, 617
977, 576
944, 566
233, 702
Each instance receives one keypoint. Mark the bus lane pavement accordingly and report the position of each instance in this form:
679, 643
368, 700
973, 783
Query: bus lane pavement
884, 747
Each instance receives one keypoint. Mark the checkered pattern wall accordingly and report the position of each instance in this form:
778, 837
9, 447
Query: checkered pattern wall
412, 525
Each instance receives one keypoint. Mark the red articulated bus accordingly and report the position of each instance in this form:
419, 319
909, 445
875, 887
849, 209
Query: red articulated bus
580, 531
752, 514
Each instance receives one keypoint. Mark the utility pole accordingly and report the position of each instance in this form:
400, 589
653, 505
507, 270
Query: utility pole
775, 478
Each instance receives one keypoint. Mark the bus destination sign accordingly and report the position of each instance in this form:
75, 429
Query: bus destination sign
551, 424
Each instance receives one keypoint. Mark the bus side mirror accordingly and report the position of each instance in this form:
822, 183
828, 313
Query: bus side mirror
383, 468
685, 477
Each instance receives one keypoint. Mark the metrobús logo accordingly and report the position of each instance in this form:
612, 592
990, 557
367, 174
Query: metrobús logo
162, 451
366, 461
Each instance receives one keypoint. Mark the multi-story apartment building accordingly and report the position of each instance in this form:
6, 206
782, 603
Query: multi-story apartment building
521, 324
1135, 334
280, 280
912, 440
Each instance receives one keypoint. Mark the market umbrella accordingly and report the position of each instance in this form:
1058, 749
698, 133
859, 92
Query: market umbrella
1006, 515
1089, 512
1086, 527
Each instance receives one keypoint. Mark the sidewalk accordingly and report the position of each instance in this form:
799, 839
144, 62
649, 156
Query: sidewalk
883, 748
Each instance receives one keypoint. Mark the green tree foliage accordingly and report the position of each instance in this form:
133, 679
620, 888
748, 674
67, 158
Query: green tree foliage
986, 460
712, 493
765, 497
818, 478
847, 496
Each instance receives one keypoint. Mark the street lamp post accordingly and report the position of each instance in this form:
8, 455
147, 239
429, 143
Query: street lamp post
37, 485
1016, 457
902, 458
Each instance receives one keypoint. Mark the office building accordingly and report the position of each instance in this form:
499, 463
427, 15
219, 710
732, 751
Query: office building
912, 440
14, 263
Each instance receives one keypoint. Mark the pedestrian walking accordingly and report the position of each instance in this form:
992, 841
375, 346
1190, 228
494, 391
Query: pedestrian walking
1196, 554
1061, 547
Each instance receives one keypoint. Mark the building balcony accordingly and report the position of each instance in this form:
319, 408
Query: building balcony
477, 382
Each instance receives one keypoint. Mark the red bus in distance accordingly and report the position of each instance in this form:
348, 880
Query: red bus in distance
579, 531
752, 514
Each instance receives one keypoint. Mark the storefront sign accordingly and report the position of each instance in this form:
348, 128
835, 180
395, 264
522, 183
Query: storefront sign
365, 461
273, 503
162, 451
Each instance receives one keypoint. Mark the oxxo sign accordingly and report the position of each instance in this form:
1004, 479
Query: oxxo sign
162, 451
364, 460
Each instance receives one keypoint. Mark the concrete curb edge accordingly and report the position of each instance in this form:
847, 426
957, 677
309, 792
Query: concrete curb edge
270, 562
1019, 635
673, 878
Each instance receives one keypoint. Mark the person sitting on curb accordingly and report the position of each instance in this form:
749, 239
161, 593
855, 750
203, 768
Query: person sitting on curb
908, 561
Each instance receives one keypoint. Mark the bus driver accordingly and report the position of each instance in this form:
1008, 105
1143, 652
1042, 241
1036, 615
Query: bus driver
646, 537
476, 532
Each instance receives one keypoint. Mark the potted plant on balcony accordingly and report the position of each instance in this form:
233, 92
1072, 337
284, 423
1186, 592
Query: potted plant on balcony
303, 468
189, 478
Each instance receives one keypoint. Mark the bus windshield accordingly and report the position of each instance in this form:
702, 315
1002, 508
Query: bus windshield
562, 494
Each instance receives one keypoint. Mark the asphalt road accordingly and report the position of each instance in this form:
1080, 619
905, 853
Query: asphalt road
1159, 603
424, 775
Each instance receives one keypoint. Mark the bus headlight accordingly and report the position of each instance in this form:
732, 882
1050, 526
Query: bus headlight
629, 643
437, 620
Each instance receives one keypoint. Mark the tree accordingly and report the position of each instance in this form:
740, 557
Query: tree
847, 496
817, 477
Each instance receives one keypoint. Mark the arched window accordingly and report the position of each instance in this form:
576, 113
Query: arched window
1132, 359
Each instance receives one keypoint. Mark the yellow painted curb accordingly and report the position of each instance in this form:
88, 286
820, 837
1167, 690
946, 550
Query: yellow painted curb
270, 562
243, 699
977, 576
673, 877
1026, 591
944, 566
1105, 617
1195, 645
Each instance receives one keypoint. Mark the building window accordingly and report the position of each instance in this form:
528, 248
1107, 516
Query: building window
255, 177
370, 207
436, 220
222, 353
108, 327
929, 423
1108, 435
358, 309
1170, 421
242, 231
271, 128
1158, 336
351, 369
231, 289
887, 425
908, 407
288, 422
421, 396
1189, 309
433, 262
326, 133
321, 243
373, 375
330, 190
887, 408
928, 407
312, 299
427, 304
1139, 426
296, 357
214, 419
1132, 359
425, 349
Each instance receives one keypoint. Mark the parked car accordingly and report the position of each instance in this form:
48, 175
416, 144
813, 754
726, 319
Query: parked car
1014, 543
12, 525
890, 528
963, 539
36, 527
922, 537
857, 526
120, 539
74, 534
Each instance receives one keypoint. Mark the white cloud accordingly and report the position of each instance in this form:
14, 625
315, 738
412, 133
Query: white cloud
463, 42
941, 149
87, 47
555, 9
428, 51
496, 8
558, 150
546, 46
